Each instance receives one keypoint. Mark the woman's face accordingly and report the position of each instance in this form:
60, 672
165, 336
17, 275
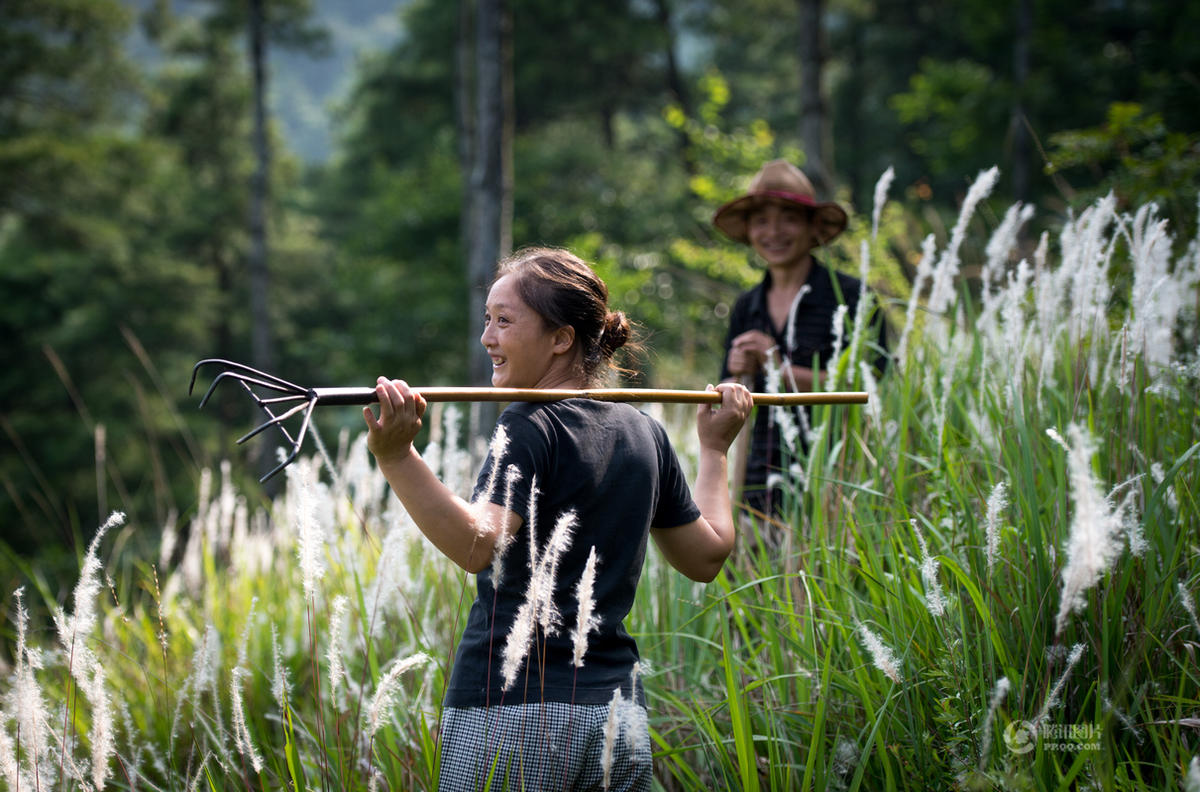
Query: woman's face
782, 235
525, 352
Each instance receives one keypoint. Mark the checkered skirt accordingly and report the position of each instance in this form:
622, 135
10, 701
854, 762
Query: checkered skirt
546, 746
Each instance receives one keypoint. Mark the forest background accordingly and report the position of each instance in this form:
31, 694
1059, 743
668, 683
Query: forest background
162, 200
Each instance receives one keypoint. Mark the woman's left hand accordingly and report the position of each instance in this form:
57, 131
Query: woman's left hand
390, 436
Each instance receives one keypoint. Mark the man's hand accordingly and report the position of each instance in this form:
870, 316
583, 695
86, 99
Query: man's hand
749, 352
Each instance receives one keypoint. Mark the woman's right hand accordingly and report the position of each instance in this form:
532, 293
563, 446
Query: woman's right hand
717, 427
391, 435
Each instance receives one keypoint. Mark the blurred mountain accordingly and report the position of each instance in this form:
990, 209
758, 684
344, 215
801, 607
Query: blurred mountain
304, 90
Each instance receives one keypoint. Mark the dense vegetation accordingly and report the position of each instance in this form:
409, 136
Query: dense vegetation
933, 547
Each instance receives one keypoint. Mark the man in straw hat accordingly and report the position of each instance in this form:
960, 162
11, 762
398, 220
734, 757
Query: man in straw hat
788, 318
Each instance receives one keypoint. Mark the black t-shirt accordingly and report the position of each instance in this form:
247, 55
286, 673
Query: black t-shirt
614, 467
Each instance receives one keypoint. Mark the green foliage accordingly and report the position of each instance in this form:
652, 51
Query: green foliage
959, 114
1134, 154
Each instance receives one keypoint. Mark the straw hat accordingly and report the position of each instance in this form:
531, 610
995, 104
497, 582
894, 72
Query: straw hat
780, 181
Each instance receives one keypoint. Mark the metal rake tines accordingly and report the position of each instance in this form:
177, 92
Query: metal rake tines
303, 400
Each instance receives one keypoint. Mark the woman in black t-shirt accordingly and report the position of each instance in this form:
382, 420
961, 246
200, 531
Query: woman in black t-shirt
557, 532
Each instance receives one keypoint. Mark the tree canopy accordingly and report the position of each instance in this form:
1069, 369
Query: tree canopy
125, 190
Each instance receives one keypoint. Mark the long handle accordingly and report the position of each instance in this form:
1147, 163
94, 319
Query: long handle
367, 396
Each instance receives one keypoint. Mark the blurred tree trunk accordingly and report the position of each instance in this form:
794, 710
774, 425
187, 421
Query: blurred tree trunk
1019, 125
262, 350
487, 198
852, 153
675, 84
261, 342
813, 121
508, 129
464, 119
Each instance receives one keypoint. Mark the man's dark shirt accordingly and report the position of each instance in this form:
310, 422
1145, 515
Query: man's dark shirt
812, 345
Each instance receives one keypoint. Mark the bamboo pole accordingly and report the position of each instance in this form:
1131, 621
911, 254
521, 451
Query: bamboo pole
441, 394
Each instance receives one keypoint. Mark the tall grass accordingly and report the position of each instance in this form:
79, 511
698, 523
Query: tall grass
987, 581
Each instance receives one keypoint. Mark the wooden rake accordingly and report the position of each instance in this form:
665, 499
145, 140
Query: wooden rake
272, 394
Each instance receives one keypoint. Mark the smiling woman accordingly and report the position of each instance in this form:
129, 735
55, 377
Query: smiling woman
607, 480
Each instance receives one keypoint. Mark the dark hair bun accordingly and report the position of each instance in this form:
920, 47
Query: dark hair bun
615, 333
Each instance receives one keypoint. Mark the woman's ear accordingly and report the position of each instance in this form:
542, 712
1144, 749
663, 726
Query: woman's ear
564, 338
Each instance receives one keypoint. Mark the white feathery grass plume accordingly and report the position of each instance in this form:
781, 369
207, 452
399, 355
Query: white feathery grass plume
924, 270
941, 400
496, 450
1159, 475
25, 703
194, 786
281, 687
560, 540
784, 417
1086, 250
534, 494
587, 620
1192, 782
455, 460
845, 758
226, 506
1122, 716
625, 719
243, 741
10, 767
935, 598
838, 328
201, 677
1185, 599
384, 698
518, 641
881, 190
997, 502
1053, 434
169, 540
997, 698
310, 539
1052, 698
1126, 516
1001, 243
790, 337
862, 310
520, 635
393, 583
874, 408
512, 476
84, 666
538, 608
1092, 545
1015, 337
881, 655
337, 643
942, 289
611, 729
1155, 298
